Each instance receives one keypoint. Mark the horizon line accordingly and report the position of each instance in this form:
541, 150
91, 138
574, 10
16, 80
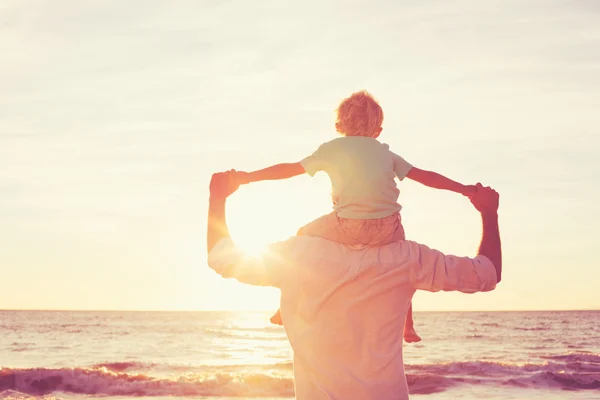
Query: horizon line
268, 310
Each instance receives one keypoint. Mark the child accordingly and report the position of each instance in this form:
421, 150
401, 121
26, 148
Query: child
362, 172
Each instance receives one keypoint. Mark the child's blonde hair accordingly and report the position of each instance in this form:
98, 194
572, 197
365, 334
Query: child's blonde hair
359, 115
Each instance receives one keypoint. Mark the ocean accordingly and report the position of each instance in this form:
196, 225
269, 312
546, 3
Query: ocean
220, 355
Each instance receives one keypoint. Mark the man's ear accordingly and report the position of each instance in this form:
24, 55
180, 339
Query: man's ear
378, 133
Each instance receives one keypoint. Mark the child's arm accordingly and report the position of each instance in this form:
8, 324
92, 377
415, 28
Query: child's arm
437, 181
279, 171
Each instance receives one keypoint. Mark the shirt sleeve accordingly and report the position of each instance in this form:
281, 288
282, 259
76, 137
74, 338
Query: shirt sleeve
434, 271
266, 269
315, 162
401, 166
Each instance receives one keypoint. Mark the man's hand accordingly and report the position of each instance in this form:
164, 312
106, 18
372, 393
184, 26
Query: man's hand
486, 200
223, 184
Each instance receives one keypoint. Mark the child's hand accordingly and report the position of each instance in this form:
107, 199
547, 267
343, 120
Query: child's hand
242, 177
469, 190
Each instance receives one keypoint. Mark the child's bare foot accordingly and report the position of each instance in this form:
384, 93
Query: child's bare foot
276, 319
410, 335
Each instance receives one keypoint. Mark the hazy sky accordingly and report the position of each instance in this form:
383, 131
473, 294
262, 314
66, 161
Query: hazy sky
113, 115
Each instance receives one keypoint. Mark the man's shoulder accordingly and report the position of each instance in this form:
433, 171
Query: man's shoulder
310, 249
305, 246
302, 242
307, 240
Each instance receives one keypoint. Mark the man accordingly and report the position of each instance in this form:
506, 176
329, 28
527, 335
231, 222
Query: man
344, 308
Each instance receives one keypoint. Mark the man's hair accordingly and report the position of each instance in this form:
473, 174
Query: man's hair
359, 115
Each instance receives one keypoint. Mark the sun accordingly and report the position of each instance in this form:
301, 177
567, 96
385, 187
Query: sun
264, 213
255, 223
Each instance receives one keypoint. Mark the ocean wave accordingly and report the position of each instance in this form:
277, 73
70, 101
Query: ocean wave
492, 324
20, 349
121, 366
534, 329
42, 381
559, 380
431, 383
474, 336
578, 373
489, 369
129, 366
576, 356
14, 395
275, 380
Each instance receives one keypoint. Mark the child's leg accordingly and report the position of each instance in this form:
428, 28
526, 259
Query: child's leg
276, 318
410, 335
326, 227
371, 232
348, 231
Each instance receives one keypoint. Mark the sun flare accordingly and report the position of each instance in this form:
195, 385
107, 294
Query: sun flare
251, 245
268, 212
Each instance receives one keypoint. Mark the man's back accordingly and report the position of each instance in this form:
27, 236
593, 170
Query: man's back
344, 309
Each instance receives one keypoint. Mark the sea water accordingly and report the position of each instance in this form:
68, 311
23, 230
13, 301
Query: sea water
463, 355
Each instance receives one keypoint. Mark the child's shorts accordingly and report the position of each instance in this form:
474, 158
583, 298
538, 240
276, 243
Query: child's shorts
348, 231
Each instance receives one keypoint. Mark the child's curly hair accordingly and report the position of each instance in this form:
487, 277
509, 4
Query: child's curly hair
359, 115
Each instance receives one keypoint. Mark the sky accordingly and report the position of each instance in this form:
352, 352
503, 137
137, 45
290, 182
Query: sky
114, 115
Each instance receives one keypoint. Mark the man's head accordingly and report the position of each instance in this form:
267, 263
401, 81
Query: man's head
359, 115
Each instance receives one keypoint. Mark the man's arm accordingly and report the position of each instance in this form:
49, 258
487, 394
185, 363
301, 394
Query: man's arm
437, 181
275, 172
217, 227
434, 271
486, 201
224, 257
221, 186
